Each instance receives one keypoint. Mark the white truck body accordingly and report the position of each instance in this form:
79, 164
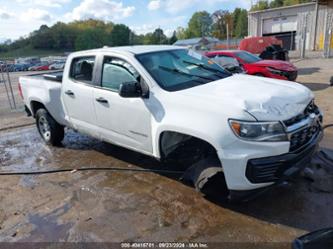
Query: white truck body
202, 111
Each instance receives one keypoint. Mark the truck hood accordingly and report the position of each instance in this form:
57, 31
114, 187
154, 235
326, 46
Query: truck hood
265, 99
277, 64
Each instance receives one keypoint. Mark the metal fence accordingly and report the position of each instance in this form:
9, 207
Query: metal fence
9, 96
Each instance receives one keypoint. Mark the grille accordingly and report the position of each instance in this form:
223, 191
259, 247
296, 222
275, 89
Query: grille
302, 137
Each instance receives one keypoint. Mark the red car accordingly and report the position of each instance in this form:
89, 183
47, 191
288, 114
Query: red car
254, 65
42, 68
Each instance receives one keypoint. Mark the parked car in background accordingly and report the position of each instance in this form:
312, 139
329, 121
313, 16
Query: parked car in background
20, 67
43, 67
39, 65
33, 67
57, 66
229, 63
254, 65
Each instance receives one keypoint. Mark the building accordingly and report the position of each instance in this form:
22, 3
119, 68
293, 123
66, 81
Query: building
303, 26
201, 43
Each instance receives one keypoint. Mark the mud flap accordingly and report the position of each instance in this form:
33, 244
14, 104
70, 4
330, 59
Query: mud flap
207, 176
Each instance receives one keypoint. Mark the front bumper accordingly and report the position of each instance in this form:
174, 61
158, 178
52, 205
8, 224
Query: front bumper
275, 168
285, 75
250, 165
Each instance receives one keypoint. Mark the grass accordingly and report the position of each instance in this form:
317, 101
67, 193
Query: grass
28, 51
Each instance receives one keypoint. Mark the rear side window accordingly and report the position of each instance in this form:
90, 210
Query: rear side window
82, 69
224, 60
117, 71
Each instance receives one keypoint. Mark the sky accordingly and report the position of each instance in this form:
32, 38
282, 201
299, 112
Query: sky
20, 17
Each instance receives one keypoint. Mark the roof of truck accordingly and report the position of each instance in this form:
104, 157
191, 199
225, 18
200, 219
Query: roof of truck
139, 49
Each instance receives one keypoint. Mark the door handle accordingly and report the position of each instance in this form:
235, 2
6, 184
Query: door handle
69, 92
101, 100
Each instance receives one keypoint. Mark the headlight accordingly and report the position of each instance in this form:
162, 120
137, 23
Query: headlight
259, 131
275, 71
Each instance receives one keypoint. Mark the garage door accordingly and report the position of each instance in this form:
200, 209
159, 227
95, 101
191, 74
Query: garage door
280, 25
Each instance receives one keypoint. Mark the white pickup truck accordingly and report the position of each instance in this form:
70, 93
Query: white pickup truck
174, 104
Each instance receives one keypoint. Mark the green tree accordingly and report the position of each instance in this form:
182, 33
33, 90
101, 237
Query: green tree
241, 24
276, 3
42, 38
199, 25
265, 4
236, 14
222, 19
91, 38
138, 39
157, 37
293, 2
120, 35
64, 36
260, 5
181, 33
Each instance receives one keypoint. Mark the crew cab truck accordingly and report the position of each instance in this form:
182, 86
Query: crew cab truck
179, 106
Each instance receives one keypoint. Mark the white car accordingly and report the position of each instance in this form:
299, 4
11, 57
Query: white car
57, 66
176, 105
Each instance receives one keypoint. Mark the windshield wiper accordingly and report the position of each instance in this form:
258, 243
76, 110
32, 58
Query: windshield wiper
205, 67
175, 70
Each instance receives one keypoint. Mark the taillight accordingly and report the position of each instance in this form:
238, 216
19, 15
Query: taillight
20, 90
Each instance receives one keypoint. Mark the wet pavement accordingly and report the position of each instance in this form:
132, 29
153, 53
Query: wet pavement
109, 206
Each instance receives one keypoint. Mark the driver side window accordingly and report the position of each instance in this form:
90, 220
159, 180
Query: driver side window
115, 72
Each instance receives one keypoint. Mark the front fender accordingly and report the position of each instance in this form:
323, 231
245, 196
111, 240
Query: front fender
211, 128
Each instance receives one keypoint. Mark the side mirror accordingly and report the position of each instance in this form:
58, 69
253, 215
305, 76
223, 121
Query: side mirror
130, 90
322, 239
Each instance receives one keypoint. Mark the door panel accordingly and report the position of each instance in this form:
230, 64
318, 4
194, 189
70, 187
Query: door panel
123, 121
77, 96
80, 106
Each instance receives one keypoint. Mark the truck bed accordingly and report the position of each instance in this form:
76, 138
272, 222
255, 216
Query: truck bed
45, 89
53, 76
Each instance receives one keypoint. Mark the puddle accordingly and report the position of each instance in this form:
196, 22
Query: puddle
47, 227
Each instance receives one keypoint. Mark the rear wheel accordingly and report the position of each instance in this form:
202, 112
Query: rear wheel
51, 132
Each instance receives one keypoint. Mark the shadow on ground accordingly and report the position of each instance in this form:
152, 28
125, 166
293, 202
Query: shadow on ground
308, 70
316, 86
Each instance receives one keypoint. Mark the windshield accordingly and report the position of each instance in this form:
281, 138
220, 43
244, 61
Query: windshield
248, 57
180, 69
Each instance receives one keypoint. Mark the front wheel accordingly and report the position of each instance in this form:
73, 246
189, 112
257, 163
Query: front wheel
51, 132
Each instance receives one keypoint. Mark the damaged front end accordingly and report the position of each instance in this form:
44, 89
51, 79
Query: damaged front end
197, 159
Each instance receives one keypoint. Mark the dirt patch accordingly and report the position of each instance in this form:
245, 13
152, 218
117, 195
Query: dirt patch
127, 206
